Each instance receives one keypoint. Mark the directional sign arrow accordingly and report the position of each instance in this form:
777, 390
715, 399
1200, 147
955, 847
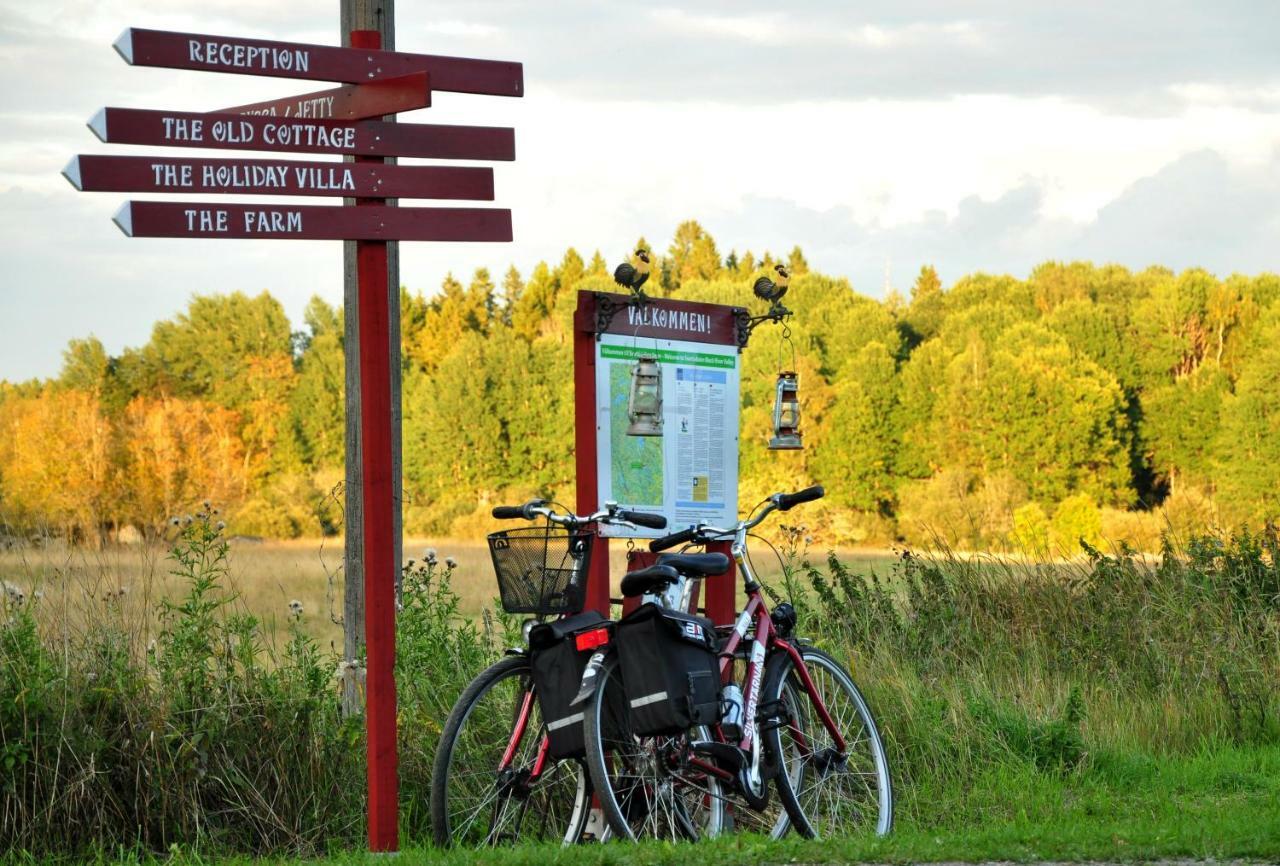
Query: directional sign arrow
316, 62
349, 102
163, 219
256, 132
276, 177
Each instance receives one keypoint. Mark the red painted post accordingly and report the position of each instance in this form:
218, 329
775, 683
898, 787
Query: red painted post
584, 444
721, 593
379, 523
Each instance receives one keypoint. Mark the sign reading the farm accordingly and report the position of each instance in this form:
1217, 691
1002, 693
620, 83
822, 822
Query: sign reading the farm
163, 219
339, 123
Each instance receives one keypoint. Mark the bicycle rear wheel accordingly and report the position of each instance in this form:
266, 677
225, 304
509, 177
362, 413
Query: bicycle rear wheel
826, 791
476, 799
647, 787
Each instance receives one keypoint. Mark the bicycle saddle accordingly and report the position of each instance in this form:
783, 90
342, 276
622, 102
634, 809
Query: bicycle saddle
696, 564
669, 568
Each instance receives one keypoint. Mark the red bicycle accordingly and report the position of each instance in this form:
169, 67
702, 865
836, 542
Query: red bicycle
675, 751
509, 763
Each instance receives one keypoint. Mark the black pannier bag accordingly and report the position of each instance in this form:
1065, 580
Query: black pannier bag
557, 673
670, 669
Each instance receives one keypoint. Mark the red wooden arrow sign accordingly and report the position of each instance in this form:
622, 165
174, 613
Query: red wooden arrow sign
163, 219
276, 177
316, 62
252, 132
349, 102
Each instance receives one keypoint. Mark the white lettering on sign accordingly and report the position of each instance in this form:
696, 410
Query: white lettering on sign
206, 220
272, 221
675, 320
167, 174
320, 107
232, 131
249, 177
214, 53
183, 128
338, 138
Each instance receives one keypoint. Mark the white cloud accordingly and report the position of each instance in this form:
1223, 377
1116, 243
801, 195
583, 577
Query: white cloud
608, 150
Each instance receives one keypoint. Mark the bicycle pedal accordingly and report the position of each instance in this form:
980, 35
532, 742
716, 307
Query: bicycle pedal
724, 753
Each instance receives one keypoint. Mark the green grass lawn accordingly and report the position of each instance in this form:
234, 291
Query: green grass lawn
1223, 803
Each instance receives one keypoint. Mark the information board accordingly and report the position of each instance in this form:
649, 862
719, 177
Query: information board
690, 473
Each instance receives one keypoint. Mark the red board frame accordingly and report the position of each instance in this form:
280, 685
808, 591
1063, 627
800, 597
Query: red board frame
719, 592
204, 176
176, 219
356, 65
294, 135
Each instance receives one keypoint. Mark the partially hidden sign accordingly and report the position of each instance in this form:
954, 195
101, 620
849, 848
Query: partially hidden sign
349, 102
690, 473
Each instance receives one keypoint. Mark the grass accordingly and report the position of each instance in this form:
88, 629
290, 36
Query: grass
1221, 803
1115, 707
265, 575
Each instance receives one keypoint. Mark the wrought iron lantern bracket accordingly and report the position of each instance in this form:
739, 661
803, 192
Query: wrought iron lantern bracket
606, 309
746, 323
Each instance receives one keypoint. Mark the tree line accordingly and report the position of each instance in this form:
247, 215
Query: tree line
1081, 402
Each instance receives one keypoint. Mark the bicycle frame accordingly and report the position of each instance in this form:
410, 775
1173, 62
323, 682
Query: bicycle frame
765, 639
517, 734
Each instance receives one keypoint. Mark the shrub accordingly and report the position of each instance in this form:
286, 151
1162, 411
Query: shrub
1031, 530
1076, 522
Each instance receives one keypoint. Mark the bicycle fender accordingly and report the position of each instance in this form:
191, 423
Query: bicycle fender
590, 676
775, 668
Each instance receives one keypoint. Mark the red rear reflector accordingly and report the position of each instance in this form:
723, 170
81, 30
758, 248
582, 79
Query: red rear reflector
592, 639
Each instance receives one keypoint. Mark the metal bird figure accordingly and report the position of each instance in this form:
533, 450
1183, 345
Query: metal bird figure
633, 276
773, 290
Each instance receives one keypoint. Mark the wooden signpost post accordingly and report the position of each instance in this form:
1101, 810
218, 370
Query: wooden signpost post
338, 122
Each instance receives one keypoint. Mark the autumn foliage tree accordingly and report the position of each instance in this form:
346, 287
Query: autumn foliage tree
993, 411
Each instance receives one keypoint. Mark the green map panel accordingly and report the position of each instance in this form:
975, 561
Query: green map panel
636, 460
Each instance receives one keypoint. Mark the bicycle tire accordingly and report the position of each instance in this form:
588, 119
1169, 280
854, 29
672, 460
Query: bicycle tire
694, 806
824, 792
559, 804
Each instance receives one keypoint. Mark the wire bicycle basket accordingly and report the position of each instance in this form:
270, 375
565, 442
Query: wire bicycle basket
541, 569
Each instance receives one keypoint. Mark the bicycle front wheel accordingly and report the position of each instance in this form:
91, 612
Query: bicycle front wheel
647, 787
826, 790
491, 783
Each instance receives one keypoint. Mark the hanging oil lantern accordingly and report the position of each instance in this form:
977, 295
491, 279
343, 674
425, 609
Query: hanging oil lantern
644, 406
786, 414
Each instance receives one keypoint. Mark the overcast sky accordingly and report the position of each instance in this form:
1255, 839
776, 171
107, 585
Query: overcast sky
877, 135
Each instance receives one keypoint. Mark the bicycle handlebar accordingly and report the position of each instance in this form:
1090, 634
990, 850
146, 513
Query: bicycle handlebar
514, 512
535, 508
787, 501
667, 541
640, 518
702, 532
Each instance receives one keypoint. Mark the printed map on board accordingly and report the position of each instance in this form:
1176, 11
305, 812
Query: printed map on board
636, 461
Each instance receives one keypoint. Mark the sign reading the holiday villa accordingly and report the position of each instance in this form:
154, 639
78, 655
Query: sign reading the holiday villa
277, 177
